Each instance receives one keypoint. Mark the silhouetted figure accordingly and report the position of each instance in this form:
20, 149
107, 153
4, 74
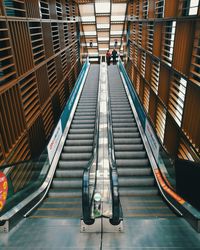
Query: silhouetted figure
108, 56
114, 56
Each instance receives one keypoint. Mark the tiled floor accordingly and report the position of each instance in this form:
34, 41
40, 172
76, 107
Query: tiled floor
39, 234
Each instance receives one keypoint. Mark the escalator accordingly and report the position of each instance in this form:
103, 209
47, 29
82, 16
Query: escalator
139, 193
64, 196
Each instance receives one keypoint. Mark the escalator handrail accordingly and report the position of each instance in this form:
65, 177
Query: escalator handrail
87, 198
116, 205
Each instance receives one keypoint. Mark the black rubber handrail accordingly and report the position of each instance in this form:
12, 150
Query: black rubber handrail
87, 197
116, 205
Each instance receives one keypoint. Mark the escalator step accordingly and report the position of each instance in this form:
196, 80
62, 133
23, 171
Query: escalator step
66, 183
130, 155
77, 149
134, 171
124, 125
85, 117
85, 113
79, 142
121, 120
81, 131
125, 130
71, 193
80, 136
139, 181
89, 121
129, 147
133, 163
138, 191
127, 141
126, 135
82, 126
75, 156
60, 173
72, 164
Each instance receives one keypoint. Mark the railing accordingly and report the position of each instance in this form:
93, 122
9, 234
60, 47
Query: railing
21, 180
163, 166
116, 205
89, 175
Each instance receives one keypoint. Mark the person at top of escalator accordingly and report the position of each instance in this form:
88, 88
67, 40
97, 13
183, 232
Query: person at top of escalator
108, 56
114, 56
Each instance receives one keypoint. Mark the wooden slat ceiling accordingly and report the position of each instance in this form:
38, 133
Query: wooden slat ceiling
103, 22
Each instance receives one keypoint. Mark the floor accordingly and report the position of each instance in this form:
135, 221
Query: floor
35, 234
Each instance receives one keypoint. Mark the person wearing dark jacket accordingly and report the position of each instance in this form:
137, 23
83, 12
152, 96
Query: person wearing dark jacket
108, 56
114, 56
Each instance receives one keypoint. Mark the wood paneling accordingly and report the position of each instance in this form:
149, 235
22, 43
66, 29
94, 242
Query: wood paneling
39, 57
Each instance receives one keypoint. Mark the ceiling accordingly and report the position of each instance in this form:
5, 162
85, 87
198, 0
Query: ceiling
103, 24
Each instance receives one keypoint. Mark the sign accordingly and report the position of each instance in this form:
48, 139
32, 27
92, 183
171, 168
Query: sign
152, 140
55, 139
3, 190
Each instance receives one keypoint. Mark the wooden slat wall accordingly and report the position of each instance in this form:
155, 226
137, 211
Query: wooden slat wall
39, 63
164, 65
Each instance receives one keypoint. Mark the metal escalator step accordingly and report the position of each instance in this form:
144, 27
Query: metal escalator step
85, 117
122, 116
122, 112
86, 106
136, 181
127, 141
120, 108
132, 163
130, 155
82, 126
72, 164
63, 173
75, 156
124, 125
65, 193
77, 149
138, 191
85, 113
128, 147
126, 135
122, 105
81, 131
118, 100
125, 130
89, 121
134, 171
78, 142
121, 120
85, 109
80, 136
66, 183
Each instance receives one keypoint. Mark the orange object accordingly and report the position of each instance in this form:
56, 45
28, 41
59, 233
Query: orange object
3, 190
